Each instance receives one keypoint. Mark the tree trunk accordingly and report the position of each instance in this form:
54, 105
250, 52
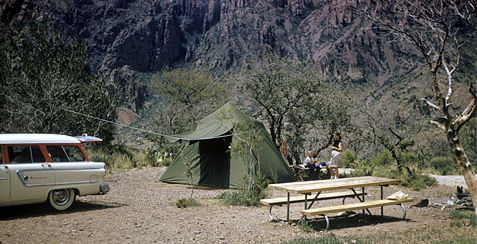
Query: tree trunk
464, 165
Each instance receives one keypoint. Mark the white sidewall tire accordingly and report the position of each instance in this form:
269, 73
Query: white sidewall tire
61, 199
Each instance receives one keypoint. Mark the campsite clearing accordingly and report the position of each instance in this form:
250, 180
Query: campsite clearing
140, 209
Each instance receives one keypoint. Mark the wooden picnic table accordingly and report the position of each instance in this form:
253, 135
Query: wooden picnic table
318, 186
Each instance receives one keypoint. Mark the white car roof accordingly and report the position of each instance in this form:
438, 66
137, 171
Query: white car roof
36, 139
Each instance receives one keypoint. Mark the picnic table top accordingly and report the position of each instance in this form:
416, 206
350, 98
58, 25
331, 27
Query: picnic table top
304, 187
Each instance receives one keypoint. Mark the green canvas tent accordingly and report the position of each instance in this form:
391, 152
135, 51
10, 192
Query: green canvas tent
211, 163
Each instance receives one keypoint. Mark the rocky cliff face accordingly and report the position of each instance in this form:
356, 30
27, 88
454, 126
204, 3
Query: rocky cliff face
144, 36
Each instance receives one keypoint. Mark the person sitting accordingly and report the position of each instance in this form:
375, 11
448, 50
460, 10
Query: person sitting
310, 163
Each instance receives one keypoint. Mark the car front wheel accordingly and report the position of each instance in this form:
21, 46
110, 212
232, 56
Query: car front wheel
62, 199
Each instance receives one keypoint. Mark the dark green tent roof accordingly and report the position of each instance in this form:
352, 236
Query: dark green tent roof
206, 149
212, 126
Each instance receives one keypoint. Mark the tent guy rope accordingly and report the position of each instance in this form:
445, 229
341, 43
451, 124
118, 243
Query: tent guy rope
147, 131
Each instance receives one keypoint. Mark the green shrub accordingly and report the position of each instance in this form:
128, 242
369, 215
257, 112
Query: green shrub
363, 168
249, 196
463, 216
443, 166
411, 159
416, 180
325, 239
187, 202
382, 166
349, 159
115, 157
457, 240
119, 157
304, 225
240, 198
158, 157
454, 214
382, 159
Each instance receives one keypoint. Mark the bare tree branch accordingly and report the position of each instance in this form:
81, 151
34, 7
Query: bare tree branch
433, 106
469, 110
438, 125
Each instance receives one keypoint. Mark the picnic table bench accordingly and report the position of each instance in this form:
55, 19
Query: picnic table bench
355, 206
303, 198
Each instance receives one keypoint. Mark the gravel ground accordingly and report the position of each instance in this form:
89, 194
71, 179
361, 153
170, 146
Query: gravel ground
140, 209
450, 180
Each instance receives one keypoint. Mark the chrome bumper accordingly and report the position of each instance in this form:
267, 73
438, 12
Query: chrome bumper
104, 188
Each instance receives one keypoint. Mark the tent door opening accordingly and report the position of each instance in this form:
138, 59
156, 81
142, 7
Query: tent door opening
215, 162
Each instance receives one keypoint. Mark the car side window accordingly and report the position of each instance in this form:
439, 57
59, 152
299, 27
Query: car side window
74, 153
19, 154
25, 154
57, 154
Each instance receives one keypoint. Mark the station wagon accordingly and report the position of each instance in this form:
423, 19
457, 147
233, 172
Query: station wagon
37, 168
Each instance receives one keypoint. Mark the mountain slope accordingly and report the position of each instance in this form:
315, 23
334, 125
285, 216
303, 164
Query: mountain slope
143, 36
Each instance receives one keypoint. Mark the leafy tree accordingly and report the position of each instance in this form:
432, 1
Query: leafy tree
246, 147
47, 85
395, 129
184, 96
438, 29
292, 99
331, 115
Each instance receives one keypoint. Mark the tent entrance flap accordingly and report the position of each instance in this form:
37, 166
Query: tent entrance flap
215, 162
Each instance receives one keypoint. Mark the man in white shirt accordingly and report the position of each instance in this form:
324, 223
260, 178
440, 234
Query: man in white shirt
310, 163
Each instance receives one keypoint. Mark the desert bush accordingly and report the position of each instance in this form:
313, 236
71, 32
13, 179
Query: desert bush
119, 157
304, 225
416, 180
324, 239
349, 159
443, 166
382, 166
246, 197
463, 217
187, 202
412, 160
158, 157
236, 198
382, 159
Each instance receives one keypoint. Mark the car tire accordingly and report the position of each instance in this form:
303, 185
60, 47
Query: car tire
61, 199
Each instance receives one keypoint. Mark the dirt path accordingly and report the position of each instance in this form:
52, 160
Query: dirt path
139, 209
450, 180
